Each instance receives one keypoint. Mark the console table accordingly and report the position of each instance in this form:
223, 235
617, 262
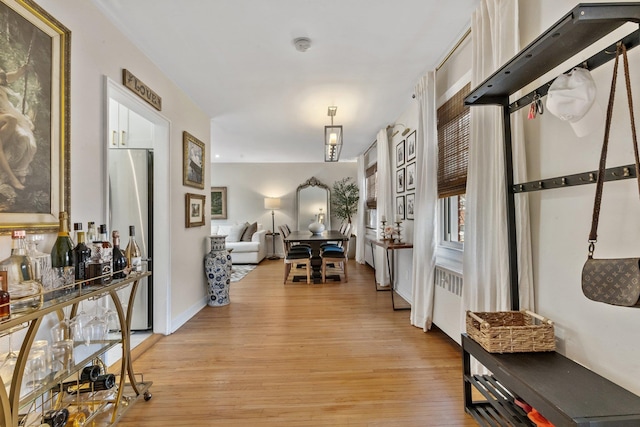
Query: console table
564, 392
390, 247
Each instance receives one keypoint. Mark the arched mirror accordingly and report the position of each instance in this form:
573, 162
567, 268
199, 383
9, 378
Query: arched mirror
312, 202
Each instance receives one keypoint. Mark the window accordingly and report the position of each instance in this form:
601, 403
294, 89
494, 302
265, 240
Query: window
453, 149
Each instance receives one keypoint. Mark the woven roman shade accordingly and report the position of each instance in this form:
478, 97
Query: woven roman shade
453, 145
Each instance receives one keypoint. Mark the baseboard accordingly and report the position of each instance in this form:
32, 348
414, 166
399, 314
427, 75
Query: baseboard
186, 315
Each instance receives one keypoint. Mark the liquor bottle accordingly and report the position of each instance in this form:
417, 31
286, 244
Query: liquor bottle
133, 254
107, 248
23, 290
92, 232
18, 265
61, 252
5, 301
119, 259
77, 226
40, 261
81, 257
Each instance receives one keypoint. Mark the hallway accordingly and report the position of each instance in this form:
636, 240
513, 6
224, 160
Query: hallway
302, 355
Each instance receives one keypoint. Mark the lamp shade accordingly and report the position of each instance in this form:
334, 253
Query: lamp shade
271, 203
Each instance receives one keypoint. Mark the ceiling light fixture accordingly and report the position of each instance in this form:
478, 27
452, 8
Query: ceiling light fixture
302, 44
332, 138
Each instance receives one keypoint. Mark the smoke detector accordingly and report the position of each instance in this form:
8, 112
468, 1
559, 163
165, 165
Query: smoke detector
302, 44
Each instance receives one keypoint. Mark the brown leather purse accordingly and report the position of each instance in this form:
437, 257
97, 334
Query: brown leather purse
613, 281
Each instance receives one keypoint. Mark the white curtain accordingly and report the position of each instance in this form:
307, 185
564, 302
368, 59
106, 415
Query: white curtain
495, 39
362, 206
424, 231
384, 203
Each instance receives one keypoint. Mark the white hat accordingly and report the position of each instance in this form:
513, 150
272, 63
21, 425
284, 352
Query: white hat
572, 98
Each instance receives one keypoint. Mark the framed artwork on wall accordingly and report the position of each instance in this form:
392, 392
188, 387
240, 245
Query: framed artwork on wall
411, 176
218, 202
400, 153
400, 181
34, 97
411, 146
410, 203
193, 157
194, 210
400, 207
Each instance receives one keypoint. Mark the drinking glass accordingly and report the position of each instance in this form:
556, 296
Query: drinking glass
62, 352
35, 371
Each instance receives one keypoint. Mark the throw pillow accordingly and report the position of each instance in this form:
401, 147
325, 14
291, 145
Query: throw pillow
249, 232
233, 232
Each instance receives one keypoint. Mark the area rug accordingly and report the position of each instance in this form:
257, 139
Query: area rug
239, 271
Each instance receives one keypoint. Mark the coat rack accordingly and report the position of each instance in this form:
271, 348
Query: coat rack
581, 27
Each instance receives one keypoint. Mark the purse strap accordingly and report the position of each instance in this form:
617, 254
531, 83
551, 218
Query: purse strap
593, 235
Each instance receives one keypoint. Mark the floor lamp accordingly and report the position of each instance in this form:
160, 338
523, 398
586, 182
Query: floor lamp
272, 203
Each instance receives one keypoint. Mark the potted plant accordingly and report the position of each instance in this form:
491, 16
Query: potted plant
344, 201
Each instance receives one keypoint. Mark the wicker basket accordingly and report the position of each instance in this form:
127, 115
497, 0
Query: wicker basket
511, 331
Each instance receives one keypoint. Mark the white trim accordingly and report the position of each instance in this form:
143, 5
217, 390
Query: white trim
186, 315
454, 88
161, 200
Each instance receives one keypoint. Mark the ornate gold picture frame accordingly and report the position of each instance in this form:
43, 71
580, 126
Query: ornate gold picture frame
194, 210
193, 156
34, 109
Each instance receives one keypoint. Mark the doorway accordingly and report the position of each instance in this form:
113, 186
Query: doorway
151, 136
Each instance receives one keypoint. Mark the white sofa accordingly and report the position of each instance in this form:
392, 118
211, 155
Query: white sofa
244, 252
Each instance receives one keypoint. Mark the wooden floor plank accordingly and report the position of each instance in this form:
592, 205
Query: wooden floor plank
302, 355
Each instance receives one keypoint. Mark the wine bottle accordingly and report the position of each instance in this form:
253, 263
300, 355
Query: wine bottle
103, 382
5, 301
90, 373
81, 257
133, 253
119, 259
61, 255
56, 418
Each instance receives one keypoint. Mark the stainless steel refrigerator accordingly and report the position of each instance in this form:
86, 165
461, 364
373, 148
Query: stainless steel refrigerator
131, 203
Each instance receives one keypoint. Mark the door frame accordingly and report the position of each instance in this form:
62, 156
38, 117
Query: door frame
161, 197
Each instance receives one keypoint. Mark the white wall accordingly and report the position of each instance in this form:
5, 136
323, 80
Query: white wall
99, 49
249, 183
599, 336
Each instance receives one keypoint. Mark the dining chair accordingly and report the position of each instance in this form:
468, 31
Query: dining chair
335, 256
300, 256
344, 229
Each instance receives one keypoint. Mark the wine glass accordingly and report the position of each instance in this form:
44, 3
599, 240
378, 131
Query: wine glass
8, 365
78, 324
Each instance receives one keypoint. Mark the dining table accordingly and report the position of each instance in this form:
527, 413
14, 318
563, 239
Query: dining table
315, 240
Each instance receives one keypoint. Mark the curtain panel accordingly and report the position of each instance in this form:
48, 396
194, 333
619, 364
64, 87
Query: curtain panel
425, 207
495, 39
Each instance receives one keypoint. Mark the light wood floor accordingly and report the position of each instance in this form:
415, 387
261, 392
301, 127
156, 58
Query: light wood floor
302, 355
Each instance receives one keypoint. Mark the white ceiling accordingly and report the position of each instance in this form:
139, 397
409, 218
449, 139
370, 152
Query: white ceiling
267, 101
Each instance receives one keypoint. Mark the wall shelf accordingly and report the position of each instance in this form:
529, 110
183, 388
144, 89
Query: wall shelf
579, 28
